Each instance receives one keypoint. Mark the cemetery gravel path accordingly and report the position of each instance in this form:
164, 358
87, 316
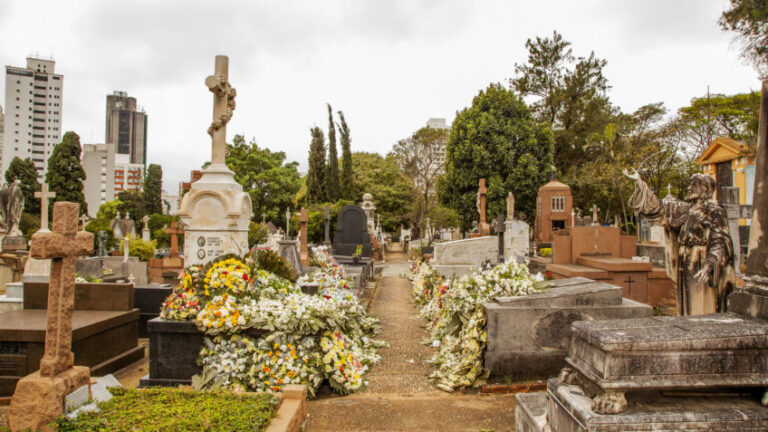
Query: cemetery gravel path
399, 397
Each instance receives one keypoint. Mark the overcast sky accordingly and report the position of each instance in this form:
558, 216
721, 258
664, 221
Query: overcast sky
388, 65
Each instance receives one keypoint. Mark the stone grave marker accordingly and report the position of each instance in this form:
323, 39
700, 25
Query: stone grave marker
145, 228
327, 220
351, 232
216, 212
39, 397
44, 195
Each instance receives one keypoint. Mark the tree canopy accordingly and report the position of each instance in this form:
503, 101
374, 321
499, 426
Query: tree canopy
65, 174
332, 186
392, 191
270, 181
749, 18
498, 139
316, 175
347, 178
153, 189
421, 158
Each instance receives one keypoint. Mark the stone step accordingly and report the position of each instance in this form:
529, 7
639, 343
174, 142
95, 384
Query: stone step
569, 410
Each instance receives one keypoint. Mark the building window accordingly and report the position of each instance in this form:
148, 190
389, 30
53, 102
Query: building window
558, 204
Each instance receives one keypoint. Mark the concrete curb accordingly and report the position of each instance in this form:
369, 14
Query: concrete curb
292, 412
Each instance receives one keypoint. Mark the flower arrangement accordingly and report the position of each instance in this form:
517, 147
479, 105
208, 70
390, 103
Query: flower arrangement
308, 338
456, 318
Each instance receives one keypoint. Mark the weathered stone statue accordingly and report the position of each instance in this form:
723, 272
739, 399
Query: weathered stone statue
699, 246
11, 204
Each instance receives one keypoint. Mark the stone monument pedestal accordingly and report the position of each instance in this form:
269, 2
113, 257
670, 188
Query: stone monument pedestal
14, 243
38, 400
216, 213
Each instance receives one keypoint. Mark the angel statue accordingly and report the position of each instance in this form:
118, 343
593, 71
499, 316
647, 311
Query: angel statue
11, 205
698, 243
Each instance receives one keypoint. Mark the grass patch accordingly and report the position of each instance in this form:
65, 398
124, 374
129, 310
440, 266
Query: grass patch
174, 409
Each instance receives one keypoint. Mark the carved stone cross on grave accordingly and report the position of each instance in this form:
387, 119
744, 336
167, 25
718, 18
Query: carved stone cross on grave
223, 106
174, 231
62, 246
500, 233
595, 209
327, 218
44, 195
83, 221
287, 222
510, 206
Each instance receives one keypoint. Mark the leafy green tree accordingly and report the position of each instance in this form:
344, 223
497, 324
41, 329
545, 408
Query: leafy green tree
569, 93
153, 189
443, 217
270, 181
257, 233
749, 18
132, 202
347, 173
104, 216
420, 157
65, 175
25, 171
332, 186
316, 175
498, 139
392, 191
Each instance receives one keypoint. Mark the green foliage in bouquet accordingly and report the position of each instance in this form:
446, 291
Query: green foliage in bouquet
272, 262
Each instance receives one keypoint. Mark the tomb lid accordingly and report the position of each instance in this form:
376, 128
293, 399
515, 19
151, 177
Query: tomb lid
568, 292
714, 331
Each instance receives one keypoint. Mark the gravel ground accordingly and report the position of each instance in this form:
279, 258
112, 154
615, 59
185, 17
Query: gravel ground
399, 396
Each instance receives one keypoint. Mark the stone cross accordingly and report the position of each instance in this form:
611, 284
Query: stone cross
669, 189
145, 229
573, 218
83, 220
510, 206
482, 227
61, 246
263, 217
223, 106
327, 217
303, 249
44, 195
594, 209
174, 231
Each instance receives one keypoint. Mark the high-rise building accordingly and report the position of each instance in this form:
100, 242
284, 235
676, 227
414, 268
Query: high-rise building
127, 127
32, 112
98, 162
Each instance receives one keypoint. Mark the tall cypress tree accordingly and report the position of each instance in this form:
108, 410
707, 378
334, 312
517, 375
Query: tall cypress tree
332, 176
153, 189
25, 171
316, 176
65, 174
347, 176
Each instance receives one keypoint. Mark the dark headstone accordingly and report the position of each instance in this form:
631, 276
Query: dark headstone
351, 232
148, 299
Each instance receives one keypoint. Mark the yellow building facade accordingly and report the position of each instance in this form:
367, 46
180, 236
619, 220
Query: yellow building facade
730, 163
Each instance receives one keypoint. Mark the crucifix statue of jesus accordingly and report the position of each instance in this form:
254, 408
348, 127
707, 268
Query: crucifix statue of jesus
223, 106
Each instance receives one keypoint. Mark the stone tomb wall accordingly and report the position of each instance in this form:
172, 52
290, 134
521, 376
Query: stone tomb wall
529, 336
104, 331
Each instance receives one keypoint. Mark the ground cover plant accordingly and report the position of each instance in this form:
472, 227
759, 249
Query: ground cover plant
175, 410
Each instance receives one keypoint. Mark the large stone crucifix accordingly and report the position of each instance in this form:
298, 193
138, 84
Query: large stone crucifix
223, 106
62, 246
44, 195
